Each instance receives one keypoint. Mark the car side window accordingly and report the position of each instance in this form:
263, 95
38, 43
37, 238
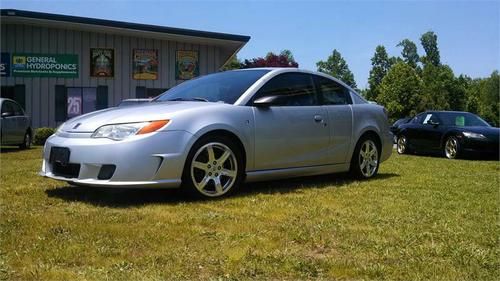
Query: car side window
430, 118
18, 111
331, 92
298, 88
7, 107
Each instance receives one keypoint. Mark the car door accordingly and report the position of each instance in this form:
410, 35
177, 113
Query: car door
294, 132
428, 133
20, 123
8, 122
336, 99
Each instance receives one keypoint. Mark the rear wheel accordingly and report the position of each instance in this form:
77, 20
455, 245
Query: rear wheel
26, 141
451, 148
214, 167
365, 160
402, 144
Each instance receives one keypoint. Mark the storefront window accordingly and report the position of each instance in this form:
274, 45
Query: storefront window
81, 101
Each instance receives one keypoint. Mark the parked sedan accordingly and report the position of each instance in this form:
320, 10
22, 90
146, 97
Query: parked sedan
15, 125
210, 134
450, 133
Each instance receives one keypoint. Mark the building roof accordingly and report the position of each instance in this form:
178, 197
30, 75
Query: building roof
122, 25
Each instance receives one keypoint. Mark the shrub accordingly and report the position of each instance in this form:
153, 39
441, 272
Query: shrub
41, 135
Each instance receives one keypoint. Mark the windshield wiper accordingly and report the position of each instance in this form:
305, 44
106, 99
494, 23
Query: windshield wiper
190, 99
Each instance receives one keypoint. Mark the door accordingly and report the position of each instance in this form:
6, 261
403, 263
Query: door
427, 133
336, 99
293, 132
20, 122
8, 123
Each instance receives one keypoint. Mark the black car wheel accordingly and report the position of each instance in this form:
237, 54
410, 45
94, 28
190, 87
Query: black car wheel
26, 141
402, 144
452, 148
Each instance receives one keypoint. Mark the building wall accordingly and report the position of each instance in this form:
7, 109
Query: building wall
40, 92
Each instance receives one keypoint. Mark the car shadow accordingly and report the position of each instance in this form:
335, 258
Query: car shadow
132, 197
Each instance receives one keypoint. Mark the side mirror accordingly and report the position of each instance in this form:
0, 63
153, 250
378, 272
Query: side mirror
267, 101
7, 114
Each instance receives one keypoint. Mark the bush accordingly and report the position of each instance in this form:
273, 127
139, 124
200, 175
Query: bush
42, 134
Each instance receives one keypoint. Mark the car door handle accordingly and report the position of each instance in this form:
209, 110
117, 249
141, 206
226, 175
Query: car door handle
318, 118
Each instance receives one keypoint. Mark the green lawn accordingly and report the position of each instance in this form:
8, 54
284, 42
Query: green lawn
421, 218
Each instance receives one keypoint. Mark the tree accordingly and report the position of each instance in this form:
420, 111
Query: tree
284, 59
438, 86
232, 63
337, 67
429, 42
400, 91
489, 98
380, 66
409, 52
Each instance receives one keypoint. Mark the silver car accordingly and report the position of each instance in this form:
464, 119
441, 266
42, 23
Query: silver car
210, 134
15, 125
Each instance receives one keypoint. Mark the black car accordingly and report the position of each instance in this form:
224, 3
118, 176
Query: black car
450, 133
396, 126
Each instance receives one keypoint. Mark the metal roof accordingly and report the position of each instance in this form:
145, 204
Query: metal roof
122, 25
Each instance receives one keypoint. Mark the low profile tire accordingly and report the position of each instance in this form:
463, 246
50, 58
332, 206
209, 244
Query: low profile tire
365, 160
402, 145
26, 141
214, 168
451, 148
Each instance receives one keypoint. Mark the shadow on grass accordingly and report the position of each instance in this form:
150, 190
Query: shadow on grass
9, 149
128, 197
479, 156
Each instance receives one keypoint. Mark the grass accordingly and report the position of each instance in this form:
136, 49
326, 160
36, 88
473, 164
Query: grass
421, 218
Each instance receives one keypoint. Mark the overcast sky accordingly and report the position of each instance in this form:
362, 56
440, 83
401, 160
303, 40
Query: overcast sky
468, 31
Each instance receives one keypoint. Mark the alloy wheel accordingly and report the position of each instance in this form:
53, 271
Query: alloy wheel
401, 146
451, 148
368, 158
214, 169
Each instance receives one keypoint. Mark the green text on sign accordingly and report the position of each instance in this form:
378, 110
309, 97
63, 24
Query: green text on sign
42, 65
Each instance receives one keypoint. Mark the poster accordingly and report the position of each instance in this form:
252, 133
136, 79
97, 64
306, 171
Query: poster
5, 65
145, 64
186, 65
43, 65
102, 62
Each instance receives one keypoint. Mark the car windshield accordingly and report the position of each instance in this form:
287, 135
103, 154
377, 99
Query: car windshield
462, 119
224, 87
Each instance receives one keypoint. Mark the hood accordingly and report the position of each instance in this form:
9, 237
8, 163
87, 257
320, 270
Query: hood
144, 112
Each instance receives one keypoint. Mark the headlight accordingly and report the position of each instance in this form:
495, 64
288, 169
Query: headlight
473, 135
123, 131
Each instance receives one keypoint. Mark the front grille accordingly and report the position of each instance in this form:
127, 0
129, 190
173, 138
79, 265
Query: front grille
67, 171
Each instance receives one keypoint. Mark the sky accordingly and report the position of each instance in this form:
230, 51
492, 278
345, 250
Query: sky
468, 31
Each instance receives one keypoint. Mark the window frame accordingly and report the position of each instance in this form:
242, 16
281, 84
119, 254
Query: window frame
319, 92
315, 93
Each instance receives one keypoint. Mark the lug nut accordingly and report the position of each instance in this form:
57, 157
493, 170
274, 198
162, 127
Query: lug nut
219, 167
215, 162
216, 174
209, 166
210, 174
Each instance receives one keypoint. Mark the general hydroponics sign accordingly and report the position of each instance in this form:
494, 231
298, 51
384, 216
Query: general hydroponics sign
38, 65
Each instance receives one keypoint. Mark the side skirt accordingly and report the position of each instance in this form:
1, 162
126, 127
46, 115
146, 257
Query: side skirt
264, 175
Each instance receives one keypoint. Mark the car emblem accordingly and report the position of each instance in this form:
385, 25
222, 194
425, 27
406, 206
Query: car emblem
76, 126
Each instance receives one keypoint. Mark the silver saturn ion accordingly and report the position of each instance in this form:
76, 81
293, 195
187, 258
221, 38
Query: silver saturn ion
210, 134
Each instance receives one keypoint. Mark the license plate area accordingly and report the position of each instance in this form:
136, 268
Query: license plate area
59, 155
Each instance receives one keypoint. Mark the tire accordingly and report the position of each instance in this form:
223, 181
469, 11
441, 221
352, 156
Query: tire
205, 176
451, 148
26, 141
402, 145
366, 158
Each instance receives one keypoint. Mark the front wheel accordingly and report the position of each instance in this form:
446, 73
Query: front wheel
451, 148
365, 160
26, 141
214, 167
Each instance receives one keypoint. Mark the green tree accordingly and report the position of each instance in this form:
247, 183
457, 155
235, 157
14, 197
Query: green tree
438, 87
232, 63
381, 63
489, 98
336, 66
400, 91
409, 52
429, 42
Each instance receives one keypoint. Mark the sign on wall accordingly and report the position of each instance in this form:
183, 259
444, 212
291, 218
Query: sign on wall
102, 62
5, 65
186, 65
145, 64
42, 65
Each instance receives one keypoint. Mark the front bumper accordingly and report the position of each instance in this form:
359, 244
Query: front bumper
480, 147
152, 160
